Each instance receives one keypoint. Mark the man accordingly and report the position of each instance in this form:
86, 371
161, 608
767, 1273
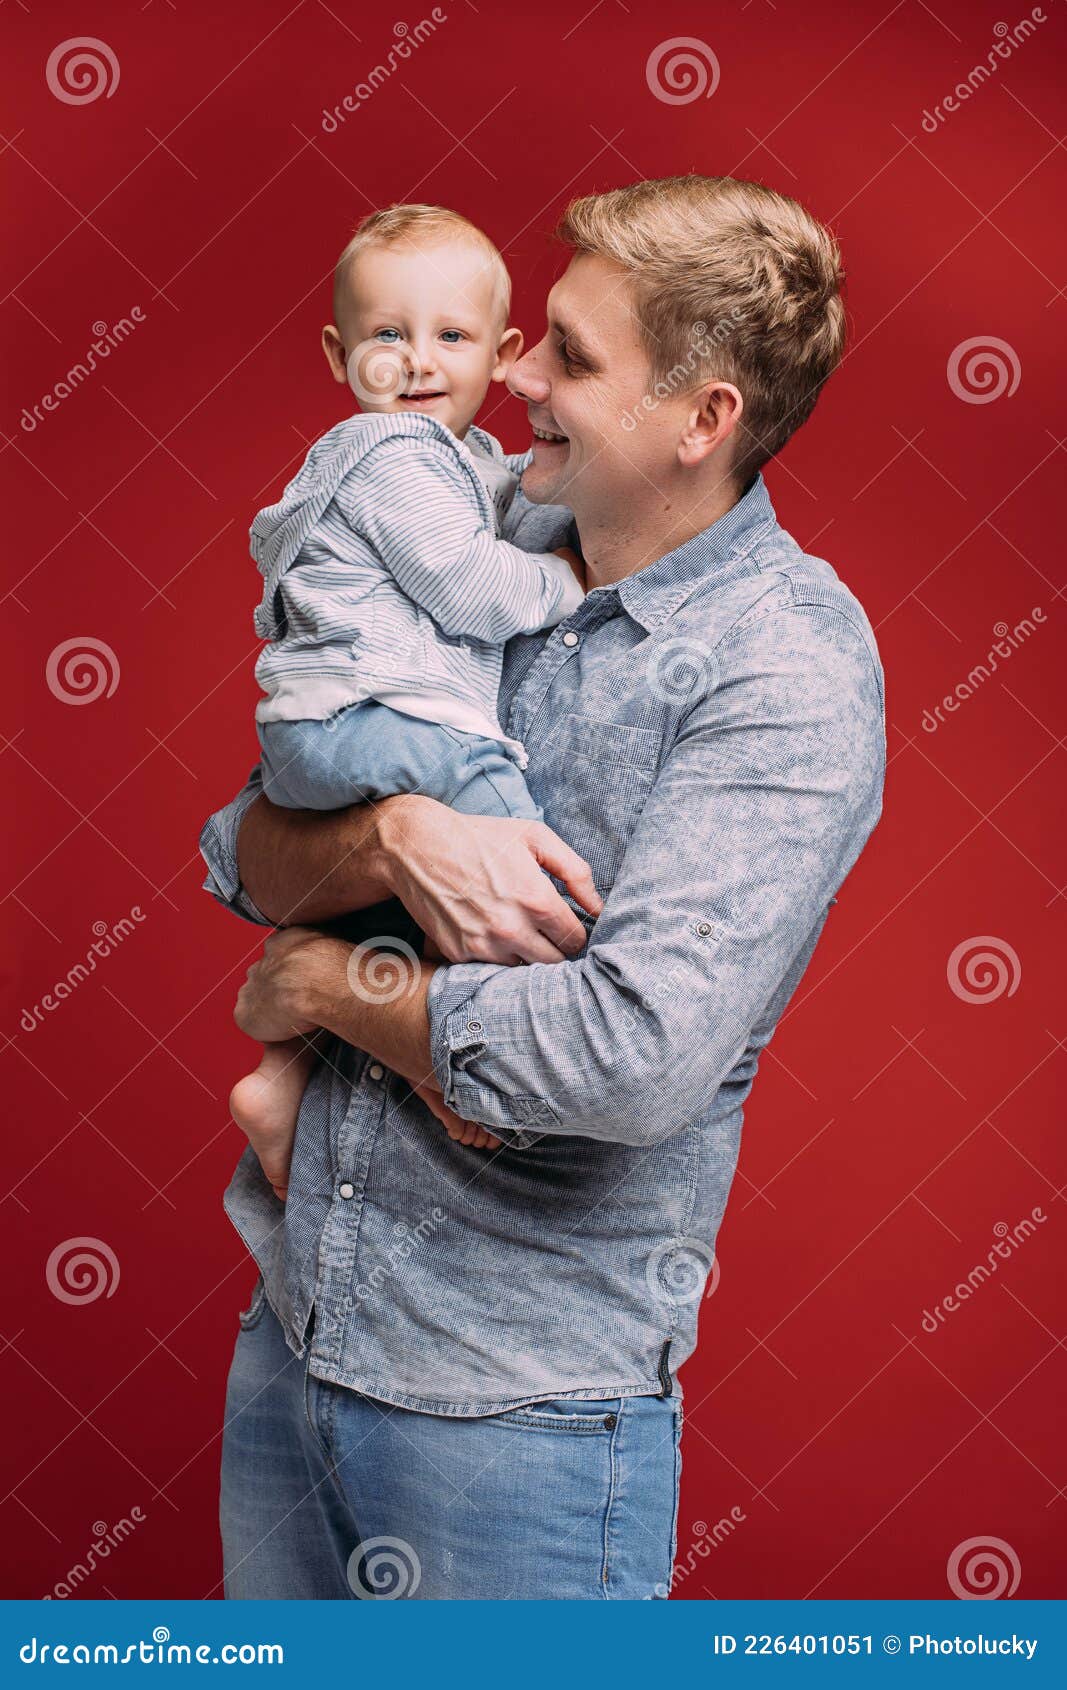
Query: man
458, 1376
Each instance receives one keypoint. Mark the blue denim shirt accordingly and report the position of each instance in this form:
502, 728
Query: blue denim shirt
709, 734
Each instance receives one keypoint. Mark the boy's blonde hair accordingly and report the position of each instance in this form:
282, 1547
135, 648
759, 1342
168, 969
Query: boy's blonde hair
427, 223
732, 280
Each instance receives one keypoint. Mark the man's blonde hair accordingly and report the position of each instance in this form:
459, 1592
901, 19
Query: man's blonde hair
731, 280
421, 224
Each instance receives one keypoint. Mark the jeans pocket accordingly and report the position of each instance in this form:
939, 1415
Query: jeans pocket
581, 1416
253, 1314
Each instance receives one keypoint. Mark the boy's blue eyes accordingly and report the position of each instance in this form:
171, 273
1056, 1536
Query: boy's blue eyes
391, 337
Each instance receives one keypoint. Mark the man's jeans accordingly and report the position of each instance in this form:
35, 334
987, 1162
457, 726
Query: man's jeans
327, 1493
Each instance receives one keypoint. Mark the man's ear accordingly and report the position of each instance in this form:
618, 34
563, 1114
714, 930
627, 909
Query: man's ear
714, 414
507, 353
334, 348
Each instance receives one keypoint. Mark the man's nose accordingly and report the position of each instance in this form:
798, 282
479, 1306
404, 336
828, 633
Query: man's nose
525, 381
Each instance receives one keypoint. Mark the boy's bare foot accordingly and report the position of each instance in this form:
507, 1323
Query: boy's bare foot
265, 1106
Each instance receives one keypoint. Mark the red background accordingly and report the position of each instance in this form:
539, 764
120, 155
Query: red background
893, 1125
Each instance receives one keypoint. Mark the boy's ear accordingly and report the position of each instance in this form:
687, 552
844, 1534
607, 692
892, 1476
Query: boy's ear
507, 353
334, 348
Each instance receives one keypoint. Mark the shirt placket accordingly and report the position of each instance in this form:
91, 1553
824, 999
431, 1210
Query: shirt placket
564, 643
340, 1234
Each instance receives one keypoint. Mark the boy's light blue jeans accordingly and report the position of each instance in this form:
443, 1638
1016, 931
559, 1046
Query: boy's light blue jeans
370, 751
329, 1494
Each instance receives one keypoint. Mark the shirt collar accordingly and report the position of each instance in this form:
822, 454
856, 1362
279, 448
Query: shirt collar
653, 593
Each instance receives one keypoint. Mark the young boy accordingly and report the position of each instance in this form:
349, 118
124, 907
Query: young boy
390, 581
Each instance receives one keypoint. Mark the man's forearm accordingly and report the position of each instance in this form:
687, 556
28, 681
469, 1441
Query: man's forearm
348, 994
308, 866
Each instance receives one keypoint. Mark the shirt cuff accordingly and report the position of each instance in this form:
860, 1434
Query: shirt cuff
572, 595
218, 847
459, 1041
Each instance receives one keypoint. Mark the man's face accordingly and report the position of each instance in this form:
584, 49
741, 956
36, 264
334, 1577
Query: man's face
583, 385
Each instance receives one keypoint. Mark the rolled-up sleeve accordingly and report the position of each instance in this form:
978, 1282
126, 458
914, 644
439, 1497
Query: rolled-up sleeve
218, 847
759, 811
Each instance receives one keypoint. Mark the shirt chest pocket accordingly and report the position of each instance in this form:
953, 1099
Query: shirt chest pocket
592, 778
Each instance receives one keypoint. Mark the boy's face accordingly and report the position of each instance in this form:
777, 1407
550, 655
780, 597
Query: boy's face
420, 330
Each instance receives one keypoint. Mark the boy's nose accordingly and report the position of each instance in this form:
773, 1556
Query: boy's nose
423, 358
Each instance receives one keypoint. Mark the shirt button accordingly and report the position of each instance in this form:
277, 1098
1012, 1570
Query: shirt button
375, 1071
704, 928
570, 638
346, 1190
474, 1026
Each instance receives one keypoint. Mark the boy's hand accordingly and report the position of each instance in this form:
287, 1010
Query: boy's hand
577, 566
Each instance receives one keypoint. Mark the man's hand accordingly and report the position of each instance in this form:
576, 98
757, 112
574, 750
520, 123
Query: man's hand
272, 1005
305, 980
477, 885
